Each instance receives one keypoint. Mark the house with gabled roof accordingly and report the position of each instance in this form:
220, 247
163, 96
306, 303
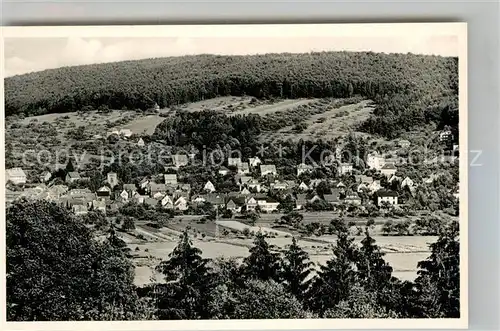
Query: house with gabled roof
129, 188
104, 192
124, 195
251, 204
140, 143
388, 169
181, 204
235, 204
407, 182
72, 177
303, 187
279, 185
167, 202
223, 171
315, 198
387, 196
245, 191
268, 169
209, 187
112, 179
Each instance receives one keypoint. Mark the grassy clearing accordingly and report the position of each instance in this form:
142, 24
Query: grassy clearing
331, 124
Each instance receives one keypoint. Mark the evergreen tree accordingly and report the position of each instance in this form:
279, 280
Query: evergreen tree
438, 281
373, 271
296, 269
262, 263
70, 167
188, 283
335, 279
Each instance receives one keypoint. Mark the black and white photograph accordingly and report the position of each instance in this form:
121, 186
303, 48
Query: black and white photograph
296, 173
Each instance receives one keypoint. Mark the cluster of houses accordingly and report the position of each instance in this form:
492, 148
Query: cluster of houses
258, 187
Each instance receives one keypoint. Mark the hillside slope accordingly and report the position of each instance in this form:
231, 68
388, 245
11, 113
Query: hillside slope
174, 80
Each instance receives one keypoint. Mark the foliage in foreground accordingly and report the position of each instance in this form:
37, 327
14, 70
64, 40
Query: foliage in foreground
58, 270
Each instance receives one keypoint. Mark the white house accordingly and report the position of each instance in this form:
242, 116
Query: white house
126, 133
407, 182
245, 191
268, 169
384, 196
141, 143
112, 179
251, 204
268, 205
344, 168
124, 195
233, 161
303, 168
167, 202
303, 187
254, 161
170, 179
375, 161
209, 187
388, 170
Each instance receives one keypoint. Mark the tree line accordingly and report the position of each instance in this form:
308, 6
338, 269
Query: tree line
57, 269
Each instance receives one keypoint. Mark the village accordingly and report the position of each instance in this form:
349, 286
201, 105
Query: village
260, 186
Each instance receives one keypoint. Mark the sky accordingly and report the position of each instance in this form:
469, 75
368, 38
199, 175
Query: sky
27, 54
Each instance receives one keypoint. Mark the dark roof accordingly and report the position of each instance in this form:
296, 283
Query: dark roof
386, 193
389, 166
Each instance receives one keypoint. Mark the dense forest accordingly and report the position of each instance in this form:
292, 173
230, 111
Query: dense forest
400, 84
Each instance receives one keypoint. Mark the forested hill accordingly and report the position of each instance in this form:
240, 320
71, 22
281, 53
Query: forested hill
409, 79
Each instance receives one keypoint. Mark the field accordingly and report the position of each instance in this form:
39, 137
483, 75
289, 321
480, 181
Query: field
331, 124
402, 253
